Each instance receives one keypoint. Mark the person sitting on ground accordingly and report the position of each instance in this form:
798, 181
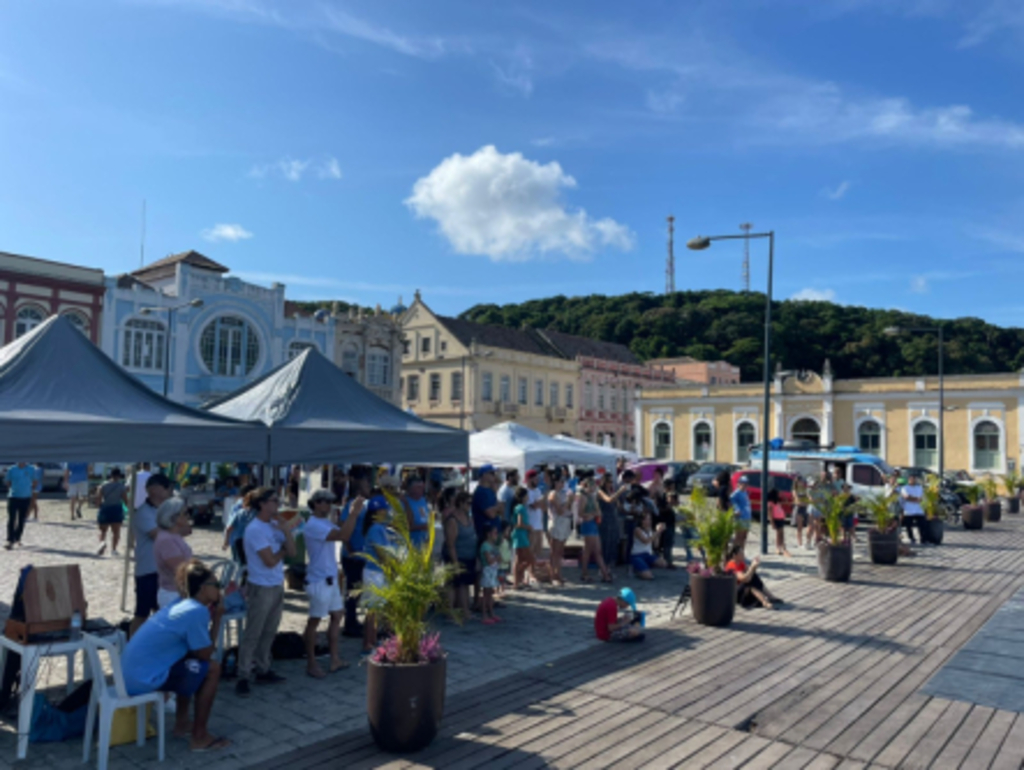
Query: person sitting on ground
750, 589
645, 538
171, 652
607, 625
170, 549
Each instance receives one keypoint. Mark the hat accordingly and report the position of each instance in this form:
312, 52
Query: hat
532, 473
627, 595
742, 480
377, 503
486, 469
322, 494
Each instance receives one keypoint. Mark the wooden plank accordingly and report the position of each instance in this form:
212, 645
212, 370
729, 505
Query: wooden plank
769, 757
963, 740
1012, 748
908, 733
613, 747
987, 746
678, 755
932, 743
822, 761
739, 754
644, 751
717, 749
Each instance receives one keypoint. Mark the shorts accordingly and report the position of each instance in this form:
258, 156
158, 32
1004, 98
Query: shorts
800, 516
561, 529
111, 514
779, 523
186, 677
589, 528
165, 597
78, 489
642, 562
324, 598
815, 513
146, 589
489, 576
524, 555
848, 521
372, 577
467, 573
742, 525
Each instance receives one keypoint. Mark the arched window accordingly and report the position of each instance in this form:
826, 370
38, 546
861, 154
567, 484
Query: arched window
230, 346
869, 437
142, 344
806, 429
745, 437
588, 437
926, 445
702, 442
378, 367
986, 446
662, 441
78, 321
296, 348
28, 319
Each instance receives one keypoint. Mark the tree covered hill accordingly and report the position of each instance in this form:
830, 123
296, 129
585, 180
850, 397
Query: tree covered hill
729, 325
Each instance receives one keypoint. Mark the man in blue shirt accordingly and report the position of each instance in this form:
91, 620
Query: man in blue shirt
741, 510
21, 480
351, 562
485, 501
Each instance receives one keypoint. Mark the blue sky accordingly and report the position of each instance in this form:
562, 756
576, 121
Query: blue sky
502, 151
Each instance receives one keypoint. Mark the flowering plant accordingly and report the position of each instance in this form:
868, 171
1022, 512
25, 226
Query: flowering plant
390, 652
696, 568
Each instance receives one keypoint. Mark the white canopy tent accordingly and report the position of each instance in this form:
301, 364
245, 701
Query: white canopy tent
612, 453
511, 445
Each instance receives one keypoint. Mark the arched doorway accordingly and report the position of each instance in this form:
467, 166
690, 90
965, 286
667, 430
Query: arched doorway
806, 429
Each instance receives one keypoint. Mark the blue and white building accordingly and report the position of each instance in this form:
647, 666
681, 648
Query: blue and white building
208, 333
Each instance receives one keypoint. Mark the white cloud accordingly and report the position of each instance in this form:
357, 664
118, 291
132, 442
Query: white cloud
815, 295
517, 74
836, 193
330, 169
361, 29
507, 207
225, 232
919, 284
293, 169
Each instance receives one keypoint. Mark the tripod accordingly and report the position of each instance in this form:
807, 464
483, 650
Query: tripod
684, 599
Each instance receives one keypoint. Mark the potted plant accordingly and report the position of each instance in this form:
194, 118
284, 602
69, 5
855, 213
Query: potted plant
934, 513
712, 591
407, 674
993, 508
835, 557
972, 514
884, 537
1012, 482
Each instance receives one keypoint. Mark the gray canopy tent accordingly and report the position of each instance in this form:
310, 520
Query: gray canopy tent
318, 414
62, 398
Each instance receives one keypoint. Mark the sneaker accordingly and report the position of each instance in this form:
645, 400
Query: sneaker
270, 677
114, 553
101, 550
242, 688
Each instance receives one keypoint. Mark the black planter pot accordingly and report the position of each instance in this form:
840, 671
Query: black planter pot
973, 516
713, 599
405, 704
883, 547
1013, 505
835, 562
933, 531
993, 511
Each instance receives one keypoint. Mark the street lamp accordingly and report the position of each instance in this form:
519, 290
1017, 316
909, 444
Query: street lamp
167, 336
894, 331
700, 243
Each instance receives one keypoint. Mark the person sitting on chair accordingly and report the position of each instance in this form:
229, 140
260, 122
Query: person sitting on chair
750, 589
171, 653
607, 625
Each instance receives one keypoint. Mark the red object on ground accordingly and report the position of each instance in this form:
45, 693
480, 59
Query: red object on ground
607, 613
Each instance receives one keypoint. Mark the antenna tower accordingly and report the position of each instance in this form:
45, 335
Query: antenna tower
670, 261
746, 227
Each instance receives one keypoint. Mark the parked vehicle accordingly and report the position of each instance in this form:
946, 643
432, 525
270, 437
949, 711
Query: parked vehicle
646, 468
680, 473
865, 473
780, 481
705, 474
53, 476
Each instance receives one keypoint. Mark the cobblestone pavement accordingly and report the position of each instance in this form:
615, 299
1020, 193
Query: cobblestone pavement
540, 627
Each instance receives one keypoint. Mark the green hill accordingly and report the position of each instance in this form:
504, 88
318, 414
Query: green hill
730, 325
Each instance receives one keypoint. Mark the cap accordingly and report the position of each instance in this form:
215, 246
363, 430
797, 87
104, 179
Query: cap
742, 480
486, 469
532, 473
627, 595
377, 503
322, 494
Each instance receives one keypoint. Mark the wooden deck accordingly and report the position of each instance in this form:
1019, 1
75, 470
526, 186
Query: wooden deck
833, 680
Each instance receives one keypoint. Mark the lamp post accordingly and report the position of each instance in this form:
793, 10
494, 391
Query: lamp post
894, 331
700, 243
167, 337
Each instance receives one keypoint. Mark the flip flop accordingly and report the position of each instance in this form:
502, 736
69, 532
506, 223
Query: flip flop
344, 664
215, 745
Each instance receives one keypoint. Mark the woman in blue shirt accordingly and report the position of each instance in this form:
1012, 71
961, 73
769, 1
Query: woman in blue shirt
417, 511
376, 535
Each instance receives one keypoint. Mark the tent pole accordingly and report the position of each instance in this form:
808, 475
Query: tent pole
129, 538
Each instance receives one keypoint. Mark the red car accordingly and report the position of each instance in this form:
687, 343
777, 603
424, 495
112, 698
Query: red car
780, 481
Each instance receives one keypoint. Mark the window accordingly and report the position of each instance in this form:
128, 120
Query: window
588, 437
405, 347
378, 367
714, 380
745, 437
425, 345
568, 397
142, 345
553, 397
538, 393
414, 388
986, 446
754, 479
350, 361
662, 441
28, 319
867, 476
487, 387
435, 387
600, 397
625, 401
702, 442
456, 386
869, 437
614, 395
506, 389
588, 396
401, 384
611, 440
78, 321
296, 348
926, 445
522, 391
806, 429
444, 346
230, 347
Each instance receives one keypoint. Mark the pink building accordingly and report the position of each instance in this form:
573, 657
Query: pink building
692, 370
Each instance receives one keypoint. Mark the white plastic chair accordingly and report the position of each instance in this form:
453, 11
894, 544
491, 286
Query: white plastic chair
226, 571
108, 698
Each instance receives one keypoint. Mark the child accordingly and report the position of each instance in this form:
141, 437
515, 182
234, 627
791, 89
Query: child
521, 530
642, 556
778, 517
608, 627
490, 556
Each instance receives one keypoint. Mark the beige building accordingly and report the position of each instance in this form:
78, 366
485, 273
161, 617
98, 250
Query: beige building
707, 372
368, 347
895, 418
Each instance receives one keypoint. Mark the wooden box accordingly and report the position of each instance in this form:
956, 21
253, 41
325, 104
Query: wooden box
52, 594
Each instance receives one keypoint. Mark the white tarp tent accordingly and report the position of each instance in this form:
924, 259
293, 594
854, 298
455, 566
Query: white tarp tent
612, 453
511, 445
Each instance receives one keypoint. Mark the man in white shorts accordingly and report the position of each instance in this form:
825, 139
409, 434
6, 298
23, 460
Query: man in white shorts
76, 482
322, 587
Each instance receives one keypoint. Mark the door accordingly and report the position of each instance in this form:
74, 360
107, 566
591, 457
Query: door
866, 480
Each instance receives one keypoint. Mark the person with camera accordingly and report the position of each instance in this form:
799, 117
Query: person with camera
750, 589
608, 627
322, 587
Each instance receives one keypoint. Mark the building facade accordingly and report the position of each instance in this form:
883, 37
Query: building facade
692, 370
208, 333
368, 347
896, 418
33, 289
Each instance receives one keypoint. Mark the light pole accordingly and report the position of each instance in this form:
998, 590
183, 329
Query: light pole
700, 243
167, 337
893, 331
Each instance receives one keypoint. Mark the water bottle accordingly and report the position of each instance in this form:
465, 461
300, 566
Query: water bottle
230, 665
76, 626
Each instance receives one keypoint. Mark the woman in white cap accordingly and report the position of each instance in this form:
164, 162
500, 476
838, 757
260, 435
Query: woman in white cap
322, 587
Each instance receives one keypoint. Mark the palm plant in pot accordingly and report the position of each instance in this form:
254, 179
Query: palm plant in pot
835, 556
884, 537
712, 590
407, 673
934, 514
1012, 482
972, 514
993, 508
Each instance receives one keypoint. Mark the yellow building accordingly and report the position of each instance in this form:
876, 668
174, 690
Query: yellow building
895, 418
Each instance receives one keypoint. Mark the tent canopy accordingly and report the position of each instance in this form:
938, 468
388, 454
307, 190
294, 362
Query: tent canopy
613, 454
511, 445
62, 399
318, 414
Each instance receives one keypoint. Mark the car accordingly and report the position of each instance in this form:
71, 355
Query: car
780, 481
705, 474
53, 476
645, 469
679, 473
